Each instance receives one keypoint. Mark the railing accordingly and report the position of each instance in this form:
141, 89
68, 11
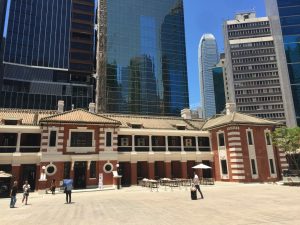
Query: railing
8, 149
190, 149
28, 149
158, 148
174, 148
125, 149
142, 148
204, 149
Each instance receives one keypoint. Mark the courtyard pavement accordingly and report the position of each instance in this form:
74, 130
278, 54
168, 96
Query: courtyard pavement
223, 203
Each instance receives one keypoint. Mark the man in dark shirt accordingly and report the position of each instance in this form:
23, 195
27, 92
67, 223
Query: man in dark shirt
13, 194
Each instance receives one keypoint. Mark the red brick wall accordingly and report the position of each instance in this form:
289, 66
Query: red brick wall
260, 150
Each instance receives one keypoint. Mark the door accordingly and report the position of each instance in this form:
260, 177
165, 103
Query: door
80, 175
29, 174
125, 172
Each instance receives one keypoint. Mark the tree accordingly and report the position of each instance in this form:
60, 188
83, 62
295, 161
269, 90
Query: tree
288, 140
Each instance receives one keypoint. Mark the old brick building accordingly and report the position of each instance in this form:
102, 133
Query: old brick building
40, 146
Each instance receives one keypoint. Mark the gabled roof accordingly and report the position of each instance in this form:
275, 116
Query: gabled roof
28, 116
79, 116
236, 118
156, 122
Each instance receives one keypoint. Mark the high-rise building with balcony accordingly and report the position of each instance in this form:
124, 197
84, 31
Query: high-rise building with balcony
207, 59
142, 57
285, 25
48, 54
252, 67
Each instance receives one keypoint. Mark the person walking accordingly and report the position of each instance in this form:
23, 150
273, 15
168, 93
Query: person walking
197, 184
53, 186
68, 191
26, 189
13, 194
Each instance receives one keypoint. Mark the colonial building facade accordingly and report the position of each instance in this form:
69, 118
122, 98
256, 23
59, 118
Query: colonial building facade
40, 146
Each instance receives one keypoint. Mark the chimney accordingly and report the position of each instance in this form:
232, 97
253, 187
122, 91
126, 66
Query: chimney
60, 106
230, 108
92, 107
186, 114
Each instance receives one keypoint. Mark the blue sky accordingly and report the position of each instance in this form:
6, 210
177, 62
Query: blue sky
207, 16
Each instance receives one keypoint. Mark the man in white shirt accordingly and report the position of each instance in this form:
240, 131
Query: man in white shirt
196, 181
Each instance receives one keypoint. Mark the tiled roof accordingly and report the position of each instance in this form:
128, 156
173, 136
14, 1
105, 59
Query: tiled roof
79, 116
156, 122
27, 116
236, 118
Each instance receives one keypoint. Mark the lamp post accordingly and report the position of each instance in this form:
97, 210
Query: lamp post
119, 176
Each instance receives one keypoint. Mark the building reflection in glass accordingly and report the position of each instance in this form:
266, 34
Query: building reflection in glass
146, 59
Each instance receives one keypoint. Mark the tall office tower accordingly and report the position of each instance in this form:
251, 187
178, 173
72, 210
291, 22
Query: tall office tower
252, 68
48, 54
207, 58
218, 73
285, 25
142, 57
2, 20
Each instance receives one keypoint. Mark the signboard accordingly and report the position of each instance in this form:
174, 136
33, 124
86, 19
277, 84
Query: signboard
100, 184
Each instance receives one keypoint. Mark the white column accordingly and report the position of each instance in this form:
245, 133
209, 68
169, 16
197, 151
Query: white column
167, 145
197, 146
18, 142
150, 143
133, 144
182, 144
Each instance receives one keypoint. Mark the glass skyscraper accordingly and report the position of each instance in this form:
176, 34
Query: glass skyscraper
219, 89
2, 20
144, 56
207, 59
49, 53
285, 18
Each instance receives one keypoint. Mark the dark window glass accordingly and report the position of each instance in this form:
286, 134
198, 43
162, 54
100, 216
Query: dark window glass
82, 17
289, 11
296, 97
294, 72
67, 169
81, 26
253, 166
93, 169
8, 139
250, 142
81, 46
10, 122
108, 168
52, 142
221, 139
292, 51
81, 139
84, 67
283, 3
291, 30
108, 139
293, 20
31, 140
84, 8
224, 166
81, 36
81, 56
203, 141
268, 138
272, 166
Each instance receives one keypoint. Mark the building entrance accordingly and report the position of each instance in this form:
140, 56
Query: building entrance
29, 174
80, 175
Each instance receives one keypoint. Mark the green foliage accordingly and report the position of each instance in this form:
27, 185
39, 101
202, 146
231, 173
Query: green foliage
288, 140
